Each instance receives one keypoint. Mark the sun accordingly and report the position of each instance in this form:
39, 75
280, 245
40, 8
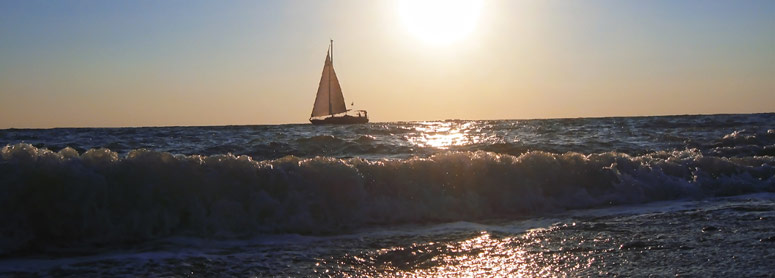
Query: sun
440, 21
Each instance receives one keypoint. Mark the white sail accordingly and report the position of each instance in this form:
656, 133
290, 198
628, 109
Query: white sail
337, 99
329, 99
321, 107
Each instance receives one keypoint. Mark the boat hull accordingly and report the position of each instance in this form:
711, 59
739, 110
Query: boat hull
340, 120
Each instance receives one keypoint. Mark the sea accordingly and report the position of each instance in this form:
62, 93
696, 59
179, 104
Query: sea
689, 196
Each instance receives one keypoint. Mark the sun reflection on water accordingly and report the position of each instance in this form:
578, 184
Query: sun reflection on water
530, 254
443, 135
480, 256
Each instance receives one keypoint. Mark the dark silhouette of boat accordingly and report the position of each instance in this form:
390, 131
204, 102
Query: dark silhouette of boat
329, 107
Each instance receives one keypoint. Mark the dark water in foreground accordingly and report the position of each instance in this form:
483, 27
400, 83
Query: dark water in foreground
688, 195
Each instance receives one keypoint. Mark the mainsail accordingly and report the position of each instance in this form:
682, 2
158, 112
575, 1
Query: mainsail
329, 100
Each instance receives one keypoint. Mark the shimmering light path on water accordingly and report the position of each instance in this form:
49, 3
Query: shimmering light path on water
724, 237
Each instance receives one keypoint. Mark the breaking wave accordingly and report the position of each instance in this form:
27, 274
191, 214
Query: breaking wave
98, 197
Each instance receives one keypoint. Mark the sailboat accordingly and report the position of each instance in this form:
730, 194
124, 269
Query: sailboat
329, 107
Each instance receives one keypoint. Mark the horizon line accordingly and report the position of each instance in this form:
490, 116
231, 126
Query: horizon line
398, 121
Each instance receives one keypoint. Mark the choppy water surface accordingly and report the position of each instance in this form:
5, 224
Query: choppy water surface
720, 134
687, 195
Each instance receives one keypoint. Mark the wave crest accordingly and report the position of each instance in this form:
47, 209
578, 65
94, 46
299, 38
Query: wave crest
98, 197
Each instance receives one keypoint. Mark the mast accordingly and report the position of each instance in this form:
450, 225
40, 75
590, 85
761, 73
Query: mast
330, 48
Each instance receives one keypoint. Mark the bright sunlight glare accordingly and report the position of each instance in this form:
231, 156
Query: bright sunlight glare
440, 21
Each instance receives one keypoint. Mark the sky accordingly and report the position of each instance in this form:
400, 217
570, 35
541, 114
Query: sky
179, 63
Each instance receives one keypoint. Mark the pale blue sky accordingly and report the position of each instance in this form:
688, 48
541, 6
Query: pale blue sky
138, 63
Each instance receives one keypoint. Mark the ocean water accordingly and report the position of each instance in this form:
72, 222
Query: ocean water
629, 196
